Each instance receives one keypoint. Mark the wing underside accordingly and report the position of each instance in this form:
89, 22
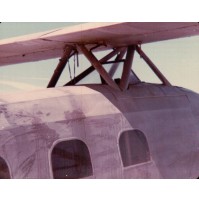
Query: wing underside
51, 44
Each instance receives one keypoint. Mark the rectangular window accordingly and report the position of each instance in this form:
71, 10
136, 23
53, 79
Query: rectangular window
71, 160
133, 148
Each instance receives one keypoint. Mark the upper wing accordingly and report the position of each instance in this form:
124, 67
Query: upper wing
50, 44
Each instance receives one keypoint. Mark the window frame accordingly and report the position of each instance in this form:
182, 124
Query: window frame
65, 140
137, 164
8, 167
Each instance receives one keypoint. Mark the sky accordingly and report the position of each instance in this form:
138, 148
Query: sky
177, 59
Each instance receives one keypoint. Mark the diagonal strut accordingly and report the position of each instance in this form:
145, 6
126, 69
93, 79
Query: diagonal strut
91, 68
98, 66
60, 67
153, 67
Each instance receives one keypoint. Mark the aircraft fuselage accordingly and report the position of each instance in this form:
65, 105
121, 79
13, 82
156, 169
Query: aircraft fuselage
33, 123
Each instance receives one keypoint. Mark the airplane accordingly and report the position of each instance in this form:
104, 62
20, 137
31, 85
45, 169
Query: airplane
117, 127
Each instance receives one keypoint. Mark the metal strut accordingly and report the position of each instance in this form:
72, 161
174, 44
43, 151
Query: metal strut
60, 67
91, 68
98, 66
127, 68
153, 67
116, 63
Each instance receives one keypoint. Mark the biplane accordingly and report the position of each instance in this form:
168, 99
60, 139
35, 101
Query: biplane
116, 127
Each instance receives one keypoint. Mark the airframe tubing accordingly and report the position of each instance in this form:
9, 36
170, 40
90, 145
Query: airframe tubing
60, 67
98, 66
127, 68
153, 67
115, 65
91, 68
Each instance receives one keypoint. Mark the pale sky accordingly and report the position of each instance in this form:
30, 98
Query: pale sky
177, 59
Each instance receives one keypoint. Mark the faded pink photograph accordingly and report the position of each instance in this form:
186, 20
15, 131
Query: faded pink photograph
99, 100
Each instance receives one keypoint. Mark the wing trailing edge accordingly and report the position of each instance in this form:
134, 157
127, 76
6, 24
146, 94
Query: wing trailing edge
50, 44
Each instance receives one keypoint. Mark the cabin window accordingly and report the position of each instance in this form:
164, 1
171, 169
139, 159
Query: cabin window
4, 171
133, 148
71, 160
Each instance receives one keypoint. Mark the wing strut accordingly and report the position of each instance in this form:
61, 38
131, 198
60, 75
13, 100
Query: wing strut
91, 68
98, 66
127, 68
115, 65
60, 67
153, 67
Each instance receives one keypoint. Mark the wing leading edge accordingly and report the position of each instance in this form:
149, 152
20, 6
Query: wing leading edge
50, 44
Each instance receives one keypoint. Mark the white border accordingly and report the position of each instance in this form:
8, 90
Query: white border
106, 11
74, 11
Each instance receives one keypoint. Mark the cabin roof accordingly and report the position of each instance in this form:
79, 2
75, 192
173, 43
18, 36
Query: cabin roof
135, 91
